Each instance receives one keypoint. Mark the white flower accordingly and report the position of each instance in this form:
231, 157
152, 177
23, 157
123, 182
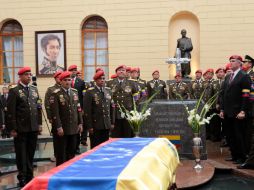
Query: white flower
122, 115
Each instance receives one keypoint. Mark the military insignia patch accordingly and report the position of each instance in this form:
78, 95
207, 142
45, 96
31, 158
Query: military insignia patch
61, 99
34, 94
127, 89
21, 93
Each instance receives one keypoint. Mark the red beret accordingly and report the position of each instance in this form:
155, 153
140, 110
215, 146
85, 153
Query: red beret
209, 71
65, 74
71, 67
134, 69
238, 57
98, 75
98, 69
178, 75
57, 74
120, 67
24, 70
198, 71
155, 71
113, 76
221, 68
128, 69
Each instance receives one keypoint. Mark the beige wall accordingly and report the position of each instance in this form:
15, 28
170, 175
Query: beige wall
138, 29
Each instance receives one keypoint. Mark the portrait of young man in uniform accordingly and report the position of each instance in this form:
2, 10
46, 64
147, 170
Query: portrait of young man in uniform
50, 52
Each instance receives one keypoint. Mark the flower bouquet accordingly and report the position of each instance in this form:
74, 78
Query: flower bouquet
135, 117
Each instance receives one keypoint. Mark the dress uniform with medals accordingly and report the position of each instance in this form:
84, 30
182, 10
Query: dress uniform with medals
81, 86
156, 85
179, 88
48, 98
124, 91
66, 116
99, 111
196, 86
25, 121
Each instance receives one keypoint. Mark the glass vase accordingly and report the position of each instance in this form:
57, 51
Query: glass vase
196, 149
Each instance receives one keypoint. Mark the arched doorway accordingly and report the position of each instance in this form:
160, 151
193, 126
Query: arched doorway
184, 20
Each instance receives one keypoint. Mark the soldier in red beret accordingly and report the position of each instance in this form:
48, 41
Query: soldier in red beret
178, 88
81, 86
157, 85
124, 91
66, 115
99, 110
24, 123
128, 72
47, 100
141, 84
196, 86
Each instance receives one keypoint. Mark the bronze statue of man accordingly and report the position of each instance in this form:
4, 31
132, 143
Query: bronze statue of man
185, 46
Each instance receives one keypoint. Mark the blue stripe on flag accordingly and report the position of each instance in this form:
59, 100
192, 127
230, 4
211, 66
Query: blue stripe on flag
100, 169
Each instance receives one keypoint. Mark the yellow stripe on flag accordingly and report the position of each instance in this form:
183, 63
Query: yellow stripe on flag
152, 168
171, 137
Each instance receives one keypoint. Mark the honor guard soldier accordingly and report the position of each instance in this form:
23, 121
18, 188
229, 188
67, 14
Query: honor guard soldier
81, 87
124, 91
24, 123
209, 90
179, 89
48, 95
156, 85
196, 86
92, 83
67, 119
141, 84
99, 110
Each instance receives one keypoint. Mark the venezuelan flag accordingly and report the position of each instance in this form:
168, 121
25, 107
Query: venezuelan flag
129, 163
174, 139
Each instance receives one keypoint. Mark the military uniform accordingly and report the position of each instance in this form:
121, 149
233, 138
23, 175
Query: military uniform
196, 88
66, 113
123, 94
210, 87
50, 67
157, 85
99, 113
48, 95
176, 89
24, 116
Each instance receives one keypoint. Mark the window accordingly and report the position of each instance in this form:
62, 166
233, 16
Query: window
11, 51
94, 46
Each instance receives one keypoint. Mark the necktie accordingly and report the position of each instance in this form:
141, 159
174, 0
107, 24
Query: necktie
102, 91
231, 77
156, 83
26, 88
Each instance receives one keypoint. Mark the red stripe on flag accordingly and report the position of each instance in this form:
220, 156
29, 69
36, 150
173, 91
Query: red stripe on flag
41, 182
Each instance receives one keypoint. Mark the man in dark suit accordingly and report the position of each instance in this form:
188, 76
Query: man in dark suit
3, 106
124, 91
156, 85
235, 94
99, 110
67, 119
81, 87
24, 123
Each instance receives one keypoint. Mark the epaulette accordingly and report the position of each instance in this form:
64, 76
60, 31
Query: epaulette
13, 86
91, 88
74, 89
33, 86
56, 90
132, 80
109, 80
107, 88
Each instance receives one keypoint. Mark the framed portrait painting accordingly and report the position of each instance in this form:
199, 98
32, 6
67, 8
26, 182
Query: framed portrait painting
50, 51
